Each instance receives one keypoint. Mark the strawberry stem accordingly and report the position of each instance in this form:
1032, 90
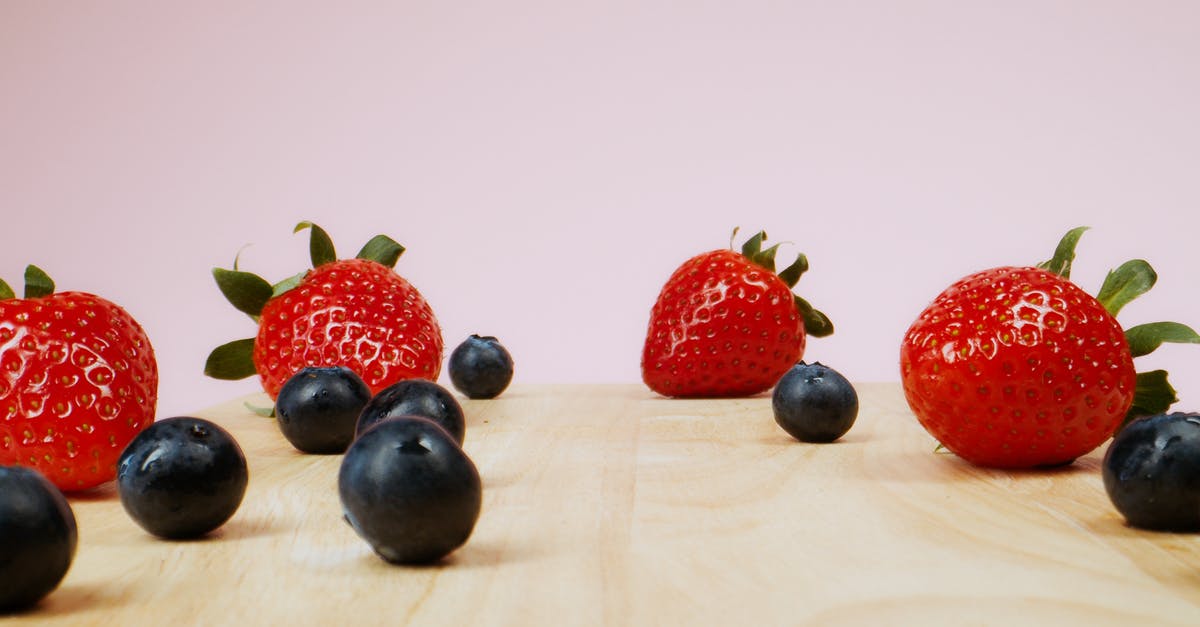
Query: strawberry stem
37, 282
6, 291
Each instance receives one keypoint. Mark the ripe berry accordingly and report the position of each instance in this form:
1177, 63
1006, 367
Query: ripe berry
317, 409
78, 379
1152, 472
38, 537
1018, 367
409, 490
481, 367
726, 324
356, 313
182, 477
415, 397
814, 403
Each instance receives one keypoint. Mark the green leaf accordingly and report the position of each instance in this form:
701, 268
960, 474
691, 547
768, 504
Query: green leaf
1064, 253
320, 246
1146, 338
1153, 394
37, 282
753, 246
6, 291
382, 249
265, 412
231, 361
288, 283
791, 274
816, 323
766, 258
1121, 286
247, 292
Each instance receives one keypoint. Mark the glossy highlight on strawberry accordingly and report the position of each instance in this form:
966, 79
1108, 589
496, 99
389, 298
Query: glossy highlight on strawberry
1018, 367
356, 313
78, 380
725, 324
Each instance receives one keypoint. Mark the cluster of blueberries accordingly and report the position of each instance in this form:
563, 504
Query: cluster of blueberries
405, 483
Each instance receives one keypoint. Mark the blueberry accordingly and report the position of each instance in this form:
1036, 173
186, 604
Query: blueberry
409, 490
317, 408
181, 477
1151, 472
415, 397
38, 537
480, 367
814, 403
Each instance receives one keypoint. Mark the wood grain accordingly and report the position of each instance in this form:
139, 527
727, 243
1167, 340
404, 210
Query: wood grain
607, 505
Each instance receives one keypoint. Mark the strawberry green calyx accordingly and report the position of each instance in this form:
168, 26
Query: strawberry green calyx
1130, 280
816, 323
231, 361
1153, 393
320, 245
381, 248
1064, 254
246, 291
249, 293
1145, 338
38, 284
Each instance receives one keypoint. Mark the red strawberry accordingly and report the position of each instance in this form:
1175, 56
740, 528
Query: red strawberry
356, 313
1018, 367
726, 325
78, 381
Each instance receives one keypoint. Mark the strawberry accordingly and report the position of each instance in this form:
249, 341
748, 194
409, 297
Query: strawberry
1018, 367
356, 313
725, 324
78, 380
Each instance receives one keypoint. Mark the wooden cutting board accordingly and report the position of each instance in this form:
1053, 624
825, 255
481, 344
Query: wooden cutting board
607, 505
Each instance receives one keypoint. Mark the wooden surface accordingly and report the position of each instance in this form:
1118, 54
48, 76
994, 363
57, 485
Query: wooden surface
606, 505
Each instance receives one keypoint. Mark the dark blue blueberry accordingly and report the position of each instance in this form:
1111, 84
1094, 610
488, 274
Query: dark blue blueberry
480, 367
38, 537
318, 408
182, 477
814, 403
409, 490
1152, 472
415, 397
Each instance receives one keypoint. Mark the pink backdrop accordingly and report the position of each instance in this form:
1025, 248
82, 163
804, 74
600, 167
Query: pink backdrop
548, 164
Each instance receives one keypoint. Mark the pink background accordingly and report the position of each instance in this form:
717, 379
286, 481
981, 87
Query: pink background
548, 164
